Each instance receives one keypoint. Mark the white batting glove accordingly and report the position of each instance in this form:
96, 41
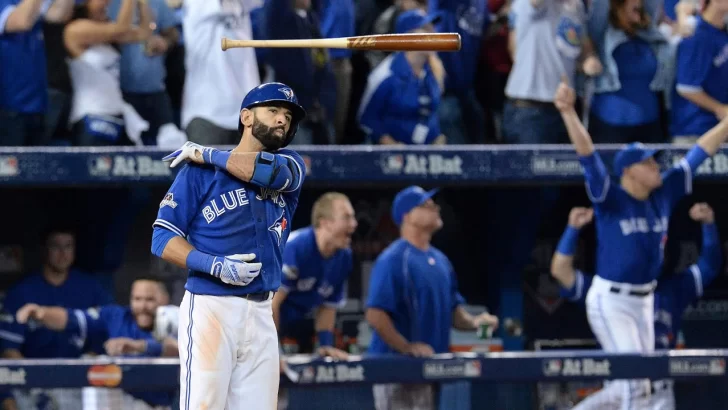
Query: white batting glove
237, 269
190, 151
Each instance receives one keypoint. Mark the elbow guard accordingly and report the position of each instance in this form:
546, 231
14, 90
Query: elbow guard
274, 171
160, 238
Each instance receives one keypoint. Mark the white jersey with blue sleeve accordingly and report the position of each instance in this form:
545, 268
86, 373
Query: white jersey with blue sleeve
221, 215
309, 279
631, 234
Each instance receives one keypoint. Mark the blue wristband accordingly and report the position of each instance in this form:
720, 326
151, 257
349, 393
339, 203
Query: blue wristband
568, 242
203, 262
154, 348
325, 338
218, 158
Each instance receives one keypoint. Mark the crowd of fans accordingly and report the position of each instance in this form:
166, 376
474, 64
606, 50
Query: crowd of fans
150, 72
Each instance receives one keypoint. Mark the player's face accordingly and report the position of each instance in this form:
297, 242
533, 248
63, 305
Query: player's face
426, 216
61, 251
342, 223
646, 173
271, 125
144, 302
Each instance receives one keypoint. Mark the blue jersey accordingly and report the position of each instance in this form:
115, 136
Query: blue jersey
419, 291
23, 80
221, 215
79, 291
673, 295
97, 325
309, 279
702, 65
632, 233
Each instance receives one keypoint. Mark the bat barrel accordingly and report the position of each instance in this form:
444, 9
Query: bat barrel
407, 42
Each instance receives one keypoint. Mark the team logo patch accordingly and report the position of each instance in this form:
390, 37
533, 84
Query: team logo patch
287, 92
168, 201
279, 226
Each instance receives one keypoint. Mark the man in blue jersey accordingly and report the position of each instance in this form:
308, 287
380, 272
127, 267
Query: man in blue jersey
114, 330
317, 262
23, 81
632, 216
413, 297
672, 296
700, 99
226, 218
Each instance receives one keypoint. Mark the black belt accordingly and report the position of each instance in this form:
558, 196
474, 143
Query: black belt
257, 297
639, 293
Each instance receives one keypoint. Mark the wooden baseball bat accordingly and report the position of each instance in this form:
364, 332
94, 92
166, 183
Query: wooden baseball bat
380, 42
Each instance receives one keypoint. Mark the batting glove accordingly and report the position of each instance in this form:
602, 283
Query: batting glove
189, 152
236, 269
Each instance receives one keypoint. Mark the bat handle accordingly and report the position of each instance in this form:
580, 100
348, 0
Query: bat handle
224, 43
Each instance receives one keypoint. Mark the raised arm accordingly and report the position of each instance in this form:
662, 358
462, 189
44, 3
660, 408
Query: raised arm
143, 30
83, 33
60, 11
15, 19
564, 100
710, 141
562, 262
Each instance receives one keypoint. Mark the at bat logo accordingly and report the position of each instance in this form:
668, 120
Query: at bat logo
339, 373
586, 367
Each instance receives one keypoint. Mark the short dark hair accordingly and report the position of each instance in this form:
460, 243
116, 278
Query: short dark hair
56, 228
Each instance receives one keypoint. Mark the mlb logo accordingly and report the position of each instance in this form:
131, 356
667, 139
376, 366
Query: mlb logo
392, 164
8, 166
308, 375
307, 162
472, 368
552, 367
100, 165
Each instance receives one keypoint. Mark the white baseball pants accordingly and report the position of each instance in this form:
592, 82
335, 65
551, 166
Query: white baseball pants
610, 397
623, 323
228, 351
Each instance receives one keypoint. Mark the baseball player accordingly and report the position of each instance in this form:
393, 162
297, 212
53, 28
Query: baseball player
672, 297
413, 297
114, 330
632, 216
317, 262
226, 218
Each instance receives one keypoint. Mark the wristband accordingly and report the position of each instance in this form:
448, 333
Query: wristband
153, 348
567, 244
218, 158
325, 338
202, 262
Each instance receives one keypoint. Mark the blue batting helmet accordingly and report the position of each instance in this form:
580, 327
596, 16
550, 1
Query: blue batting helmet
272, 94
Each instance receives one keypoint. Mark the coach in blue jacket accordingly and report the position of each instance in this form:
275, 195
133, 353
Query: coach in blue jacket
402, 96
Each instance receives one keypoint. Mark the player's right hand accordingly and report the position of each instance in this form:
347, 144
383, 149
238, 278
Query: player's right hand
703, 213
578, 217
190, 151
28, 312
238, 270
565, 97
419, 350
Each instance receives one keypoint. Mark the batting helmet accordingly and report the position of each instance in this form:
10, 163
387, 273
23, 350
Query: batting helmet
273, 94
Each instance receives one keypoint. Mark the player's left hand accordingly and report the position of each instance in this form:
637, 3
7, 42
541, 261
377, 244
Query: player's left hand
239, 270
703, 213
120, 346
486, 318
190, 151
332, 352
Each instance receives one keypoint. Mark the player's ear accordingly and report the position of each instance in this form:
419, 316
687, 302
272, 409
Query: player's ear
246, 117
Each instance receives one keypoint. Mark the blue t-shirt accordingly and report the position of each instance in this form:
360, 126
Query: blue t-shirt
399, 104
98, 325
220, 215
702, 64
419, 290
79, 291
23, 80
631, 234
309, 279
634, 103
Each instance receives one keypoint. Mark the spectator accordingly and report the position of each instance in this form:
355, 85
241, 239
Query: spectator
99, 115
337, 20
143, 70
216, 80
60, 91
23, 79
638, 69
114, 330
550, 39
175, 64
461, 116
307, 71
403, 93
701, 95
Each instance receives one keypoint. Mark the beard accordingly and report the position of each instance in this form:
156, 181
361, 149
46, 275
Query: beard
267, 135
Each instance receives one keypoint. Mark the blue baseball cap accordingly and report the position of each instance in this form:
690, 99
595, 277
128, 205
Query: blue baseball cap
632, 154
414, 19
409, 199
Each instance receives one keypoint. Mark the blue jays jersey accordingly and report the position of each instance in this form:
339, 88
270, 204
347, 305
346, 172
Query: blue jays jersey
97, 325
221, 215
309, 279
79, 291
673, 295
419, 291
632, 233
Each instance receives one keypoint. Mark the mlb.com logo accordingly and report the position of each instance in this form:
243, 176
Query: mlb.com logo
100, 166
9, 166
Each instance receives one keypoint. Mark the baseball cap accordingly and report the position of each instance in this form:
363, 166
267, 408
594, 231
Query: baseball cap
632, 154
414, 19
409, 199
